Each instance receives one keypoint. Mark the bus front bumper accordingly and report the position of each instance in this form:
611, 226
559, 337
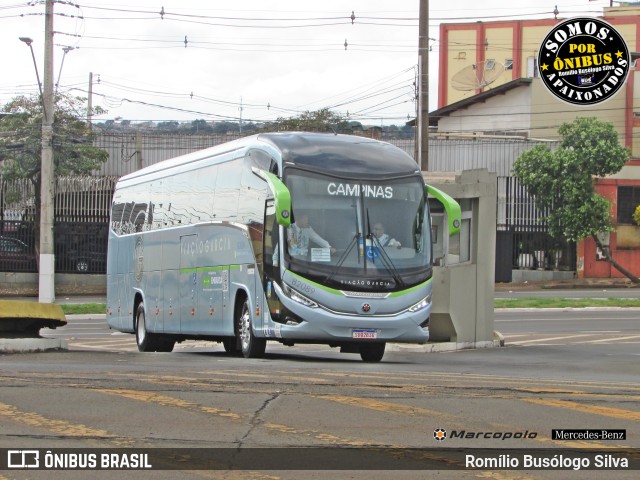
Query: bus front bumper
326, 327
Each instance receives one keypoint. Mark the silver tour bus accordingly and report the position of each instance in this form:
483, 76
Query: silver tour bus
275, 237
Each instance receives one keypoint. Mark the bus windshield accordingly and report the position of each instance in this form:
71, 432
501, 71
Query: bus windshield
359, 235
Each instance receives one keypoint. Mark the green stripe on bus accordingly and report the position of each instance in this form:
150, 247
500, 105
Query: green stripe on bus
209, 269
409, 290
339, 292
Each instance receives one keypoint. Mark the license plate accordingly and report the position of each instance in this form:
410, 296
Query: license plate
362, 333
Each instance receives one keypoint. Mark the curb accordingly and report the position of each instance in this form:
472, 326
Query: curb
31, 345
443, 346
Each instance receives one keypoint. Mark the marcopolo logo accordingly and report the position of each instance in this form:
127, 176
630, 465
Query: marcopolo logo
583, 61
440, 435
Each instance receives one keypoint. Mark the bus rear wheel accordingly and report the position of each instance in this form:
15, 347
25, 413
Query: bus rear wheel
149, 342
372, 352
251, 346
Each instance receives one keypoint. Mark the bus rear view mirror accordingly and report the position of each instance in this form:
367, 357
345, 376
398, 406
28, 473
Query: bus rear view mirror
281, 195
451, 207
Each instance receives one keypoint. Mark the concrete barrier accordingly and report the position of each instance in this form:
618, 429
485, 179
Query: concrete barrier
21, 322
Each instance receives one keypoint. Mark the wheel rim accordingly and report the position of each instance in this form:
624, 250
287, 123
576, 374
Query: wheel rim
245, 328
141, 330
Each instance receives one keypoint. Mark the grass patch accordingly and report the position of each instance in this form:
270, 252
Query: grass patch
533, 302
83, 308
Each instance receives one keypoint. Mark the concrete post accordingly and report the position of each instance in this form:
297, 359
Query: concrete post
463, 293
46, 282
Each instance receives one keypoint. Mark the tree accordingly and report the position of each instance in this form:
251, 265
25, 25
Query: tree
200, 126
21, 144
224, 127
322, 120
21, 141
170, 126
562, 181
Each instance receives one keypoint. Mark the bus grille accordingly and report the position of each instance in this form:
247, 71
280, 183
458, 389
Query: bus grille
366, 294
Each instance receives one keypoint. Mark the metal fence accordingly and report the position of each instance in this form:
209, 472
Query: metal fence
81, 220
522, 233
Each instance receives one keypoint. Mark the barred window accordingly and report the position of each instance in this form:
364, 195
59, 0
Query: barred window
628, 200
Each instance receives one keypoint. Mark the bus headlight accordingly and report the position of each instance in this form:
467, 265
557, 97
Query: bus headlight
421, 305
298, 297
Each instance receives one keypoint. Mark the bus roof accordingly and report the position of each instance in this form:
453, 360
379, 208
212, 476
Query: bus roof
326, 152
329, 152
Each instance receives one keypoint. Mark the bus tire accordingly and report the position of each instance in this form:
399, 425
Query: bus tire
149, 342
372, 352
163, 345
251, 346
231, 345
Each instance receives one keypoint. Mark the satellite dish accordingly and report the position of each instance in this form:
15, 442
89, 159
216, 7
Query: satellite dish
478, 75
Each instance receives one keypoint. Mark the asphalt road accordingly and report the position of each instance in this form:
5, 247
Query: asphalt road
568, 369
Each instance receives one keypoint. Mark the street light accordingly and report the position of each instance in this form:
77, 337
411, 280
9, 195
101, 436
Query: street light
29, 41
46, 266
65, 50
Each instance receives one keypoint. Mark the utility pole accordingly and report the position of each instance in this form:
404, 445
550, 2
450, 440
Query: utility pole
422, 124
46, 275
90, 101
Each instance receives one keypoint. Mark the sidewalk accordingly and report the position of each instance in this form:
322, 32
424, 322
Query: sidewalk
575, 283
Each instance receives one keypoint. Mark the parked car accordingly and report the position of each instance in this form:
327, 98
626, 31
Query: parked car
16, 256
88, 261
81, 258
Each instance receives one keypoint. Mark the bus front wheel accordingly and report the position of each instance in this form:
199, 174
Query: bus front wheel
372, 352
231, 345
251, 346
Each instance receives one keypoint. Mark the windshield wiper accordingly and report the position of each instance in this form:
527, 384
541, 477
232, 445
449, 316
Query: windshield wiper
334, 270
387, 262
354, 242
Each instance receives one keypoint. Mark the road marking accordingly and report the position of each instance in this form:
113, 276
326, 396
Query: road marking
601, 331
612, 412
549, 339
164, 400
614, 339
60, 427
388, 407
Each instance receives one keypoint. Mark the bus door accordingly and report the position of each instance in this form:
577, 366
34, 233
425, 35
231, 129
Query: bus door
188, 283
214, 284
271, 257
277, 216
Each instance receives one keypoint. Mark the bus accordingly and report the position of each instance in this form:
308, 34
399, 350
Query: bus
203, 246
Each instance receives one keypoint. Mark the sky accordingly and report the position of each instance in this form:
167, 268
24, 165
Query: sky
244, 60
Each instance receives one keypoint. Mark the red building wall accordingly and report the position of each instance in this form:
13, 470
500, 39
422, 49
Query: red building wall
588, 265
